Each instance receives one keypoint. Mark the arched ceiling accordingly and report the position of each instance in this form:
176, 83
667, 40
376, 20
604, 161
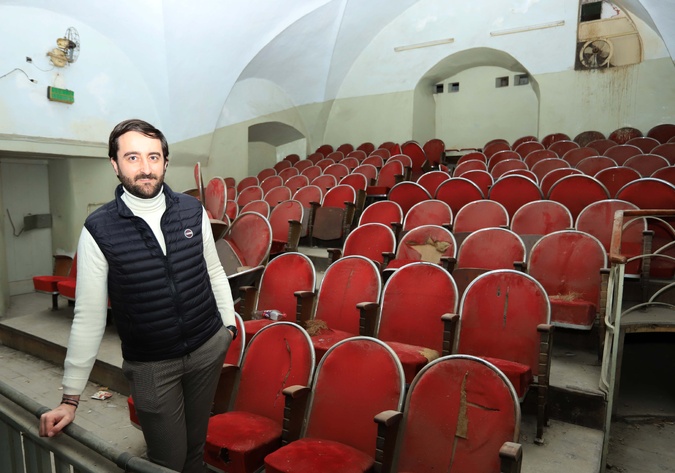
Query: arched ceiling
193, 53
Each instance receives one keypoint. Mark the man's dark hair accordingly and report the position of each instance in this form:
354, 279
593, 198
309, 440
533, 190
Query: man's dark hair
139, 126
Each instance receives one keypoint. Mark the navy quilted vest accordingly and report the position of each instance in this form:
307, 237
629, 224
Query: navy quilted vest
163, 306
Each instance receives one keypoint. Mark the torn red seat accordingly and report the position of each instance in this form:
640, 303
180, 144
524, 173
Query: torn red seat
428, 243
505, 316
338, 433
238, 439
331, 313
570, 264
460, 411
410, 317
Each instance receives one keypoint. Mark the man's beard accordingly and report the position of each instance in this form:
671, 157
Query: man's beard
139, 190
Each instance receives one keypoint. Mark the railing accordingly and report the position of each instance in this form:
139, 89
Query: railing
614, 307
22, 450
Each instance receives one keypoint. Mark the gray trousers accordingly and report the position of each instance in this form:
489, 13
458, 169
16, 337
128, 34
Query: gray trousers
173, 400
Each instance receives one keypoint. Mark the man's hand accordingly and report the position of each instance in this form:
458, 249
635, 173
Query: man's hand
54, 421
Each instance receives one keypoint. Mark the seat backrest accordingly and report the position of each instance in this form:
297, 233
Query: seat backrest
431, 180
502, 167
287, 173
480, 214
417, 156
248, 194
459, 410
325, 149
351, 162
601, 144
648, 193
469, 165
281, 278
662, 132
356, 181
338, 195
367, 170
347, 282
303, 164
382, 211
337, 169
277, 194
271, 182
615, 178
296, 182
563, 146
374, 160
645, 143
554, 176
325, 182
366, 378
388, 173
621, 153
407, 194
495, 146
280, 216
312, 172
434, 150
370, 240
251, 235
428, 212
526, 147
545, 165
597, 219
594, 164
413, 300
457, 192
247, 182
541, 217
665, 174
214, 198
427, 243
265, 173
587, 136
667, 150
499, 314
308, 194
551, 138
367, 147
482, 179
278, 355
646, 164
260, 206
577, 191
567, 264
514, 191
383, 153
500, 156
473, 155
573, 156
235, 352
491, 248
538, 155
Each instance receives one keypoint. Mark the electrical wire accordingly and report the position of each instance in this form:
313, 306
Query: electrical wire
24, 73
10, 219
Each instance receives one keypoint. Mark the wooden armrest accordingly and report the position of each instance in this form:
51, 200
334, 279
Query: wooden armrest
450, 322
367, 318
334, 254
294, 412
248, 296
305, 304
294, 233
387, 433
510, 455
519, 266
448, 263
396, 226
225, 388
387, 257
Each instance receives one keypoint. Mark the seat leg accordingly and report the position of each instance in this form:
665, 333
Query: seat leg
541, 414
55, 302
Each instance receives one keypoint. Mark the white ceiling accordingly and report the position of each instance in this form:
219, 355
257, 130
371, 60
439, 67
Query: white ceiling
306, 47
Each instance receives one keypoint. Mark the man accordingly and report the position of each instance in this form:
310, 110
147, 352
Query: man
151, 254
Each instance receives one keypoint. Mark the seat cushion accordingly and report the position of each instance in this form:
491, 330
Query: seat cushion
519, 374
412, 357
47, 283
573, 313
278, 246
310, 455
67, 288
326, 338
251, 327
239, 441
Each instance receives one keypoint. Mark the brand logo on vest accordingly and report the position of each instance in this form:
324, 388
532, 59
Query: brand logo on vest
188, 233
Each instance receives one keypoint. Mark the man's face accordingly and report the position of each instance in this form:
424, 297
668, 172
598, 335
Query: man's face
140, 165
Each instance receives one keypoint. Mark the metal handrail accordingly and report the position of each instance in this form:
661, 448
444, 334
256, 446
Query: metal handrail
124, 460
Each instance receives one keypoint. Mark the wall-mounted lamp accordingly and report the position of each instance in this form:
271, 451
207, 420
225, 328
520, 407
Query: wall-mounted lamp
428, 44
528, 28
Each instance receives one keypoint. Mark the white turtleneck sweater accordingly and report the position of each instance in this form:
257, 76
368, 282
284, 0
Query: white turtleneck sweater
91, 297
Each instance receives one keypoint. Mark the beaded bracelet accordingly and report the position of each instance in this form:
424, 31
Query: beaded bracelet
71, 402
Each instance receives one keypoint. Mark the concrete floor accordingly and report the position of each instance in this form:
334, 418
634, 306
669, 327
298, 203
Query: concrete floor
641, 441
